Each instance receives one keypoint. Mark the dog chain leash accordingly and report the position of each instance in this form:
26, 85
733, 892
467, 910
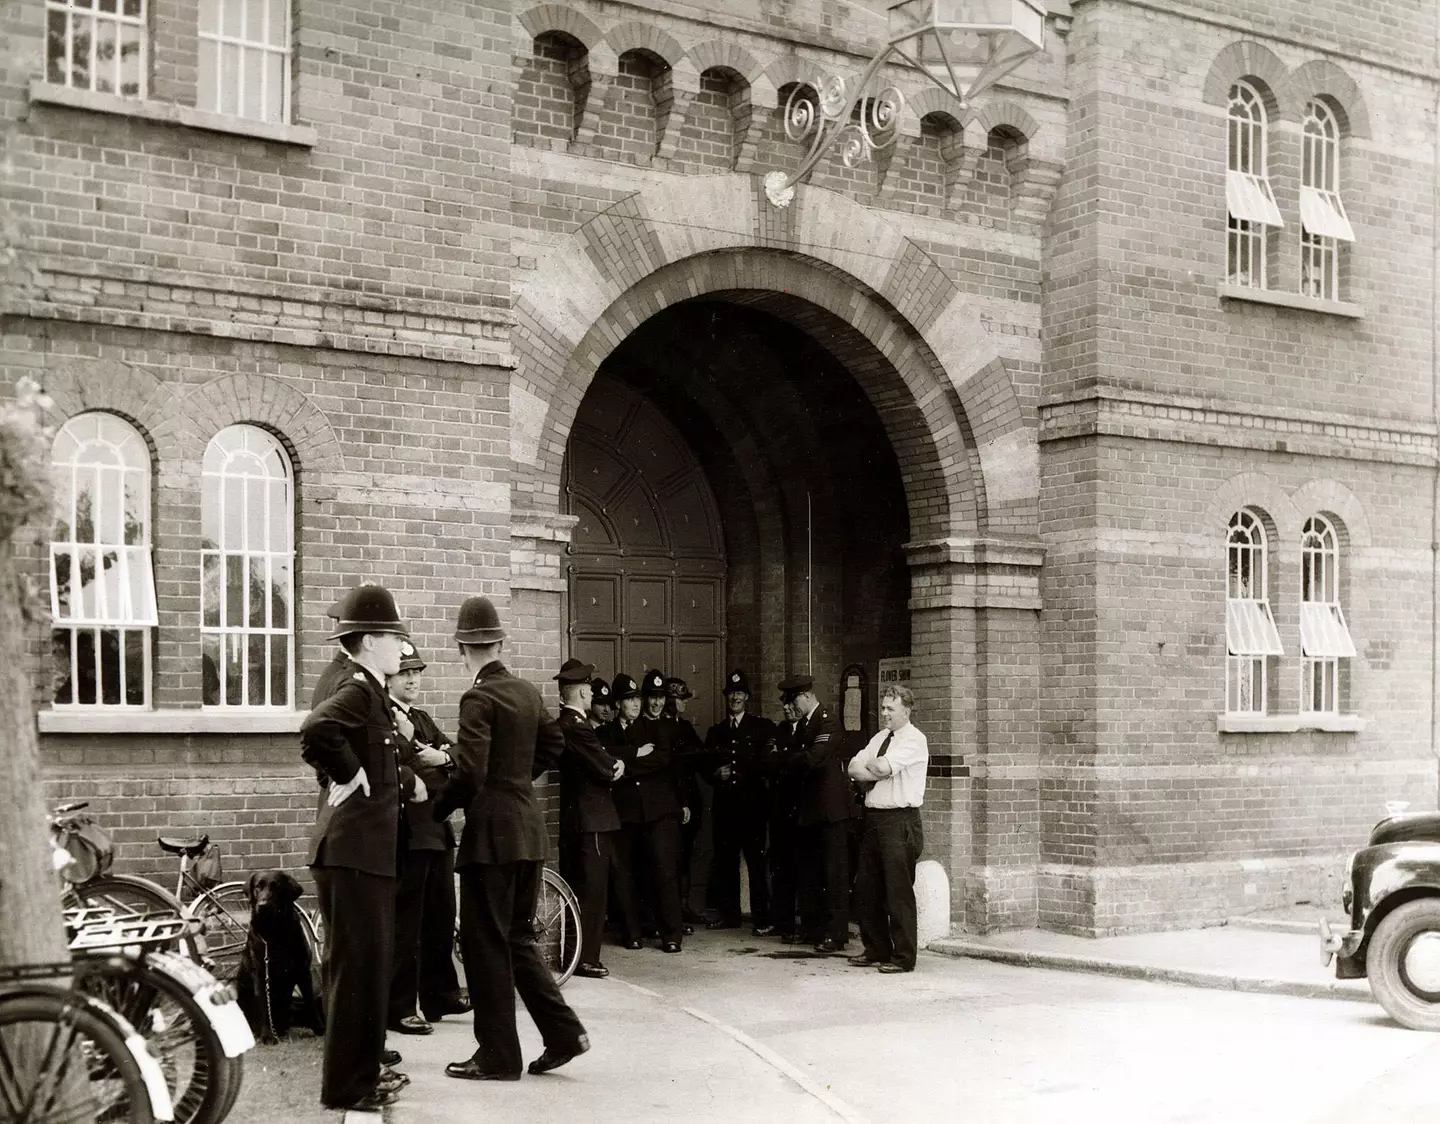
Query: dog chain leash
269, 1014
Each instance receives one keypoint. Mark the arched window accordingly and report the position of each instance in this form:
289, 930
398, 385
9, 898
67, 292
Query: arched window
1250, 633
102, 580
1324, 635
1323, 222
247, 517
1249, 201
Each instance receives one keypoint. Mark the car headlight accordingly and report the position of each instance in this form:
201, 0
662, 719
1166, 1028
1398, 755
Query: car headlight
1347, 894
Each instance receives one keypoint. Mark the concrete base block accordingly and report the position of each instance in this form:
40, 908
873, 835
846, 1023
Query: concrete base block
932, 901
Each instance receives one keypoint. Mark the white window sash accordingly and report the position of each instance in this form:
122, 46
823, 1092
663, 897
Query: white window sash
1323, 632
1248, 198
1250, 629
1323, 215
124, 594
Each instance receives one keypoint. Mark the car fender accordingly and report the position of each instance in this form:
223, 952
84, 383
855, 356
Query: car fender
1388, 875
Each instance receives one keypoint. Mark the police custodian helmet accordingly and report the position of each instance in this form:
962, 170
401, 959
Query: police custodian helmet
366, 608
478, 622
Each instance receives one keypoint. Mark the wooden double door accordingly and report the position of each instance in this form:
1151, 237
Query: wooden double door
647, 560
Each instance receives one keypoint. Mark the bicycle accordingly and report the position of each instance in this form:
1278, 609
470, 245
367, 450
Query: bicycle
191, 1021
556, 923
66, 1057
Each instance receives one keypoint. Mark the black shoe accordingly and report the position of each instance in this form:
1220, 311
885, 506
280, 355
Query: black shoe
650, 932
687, 930
592, 971
890, 968
864, 960
763, 930
390, 1057
554, 1059
632, 945
670, 946
723, 923
455, 1006
373, 1102
827, 946
391, 1081
470, 1070
412, 1024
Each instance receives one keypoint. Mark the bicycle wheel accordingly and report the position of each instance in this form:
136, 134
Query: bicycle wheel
557, 926
225, 913
175, 1028
128, 895
62, 1062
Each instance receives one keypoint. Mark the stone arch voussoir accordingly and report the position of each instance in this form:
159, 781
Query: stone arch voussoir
78, 385
1330, 497
926, 102
997, 114
1322, 78
1259, 492
558, 17
1248, 59
718, 53
261, 400
636, 35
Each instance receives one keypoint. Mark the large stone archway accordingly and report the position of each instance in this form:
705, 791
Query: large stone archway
920, 344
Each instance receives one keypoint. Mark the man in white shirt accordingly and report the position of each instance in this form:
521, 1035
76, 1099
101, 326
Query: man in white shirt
892, 768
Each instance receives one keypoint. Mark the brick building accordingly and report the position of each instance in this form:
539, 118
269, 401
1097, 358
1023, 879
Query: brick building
1103, 407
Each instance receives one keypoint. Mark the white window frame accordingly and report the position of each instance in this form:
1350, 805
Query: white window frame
102, 456
1323, 221
1251, 637
223, 54
127, 26
252, 457
1250, 206
1324, 634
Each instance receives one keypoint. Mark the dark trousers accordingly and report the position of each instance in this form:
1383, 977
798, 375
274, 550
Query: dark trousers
439, 987
656, 845
585, 861
359, 912
689, 833
497, 937
825, 880
890, 847
739, 830
410, 887
783, 861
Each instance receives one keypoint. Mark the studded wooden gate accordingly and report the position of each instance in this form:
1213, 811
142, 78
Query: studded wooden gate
647, 559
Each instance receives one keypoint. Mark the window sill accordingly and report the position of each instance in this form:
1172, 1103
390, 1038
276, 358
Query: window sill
1289, 300
1288, 723
47, 93
102, 721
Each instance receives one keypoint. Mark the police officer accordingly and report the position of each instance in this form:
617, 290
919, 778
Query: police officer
588, 821
351, 739
823, 816
737, 746
505, 737
649, 812
689, 756
602, 703
424, 976
783, 852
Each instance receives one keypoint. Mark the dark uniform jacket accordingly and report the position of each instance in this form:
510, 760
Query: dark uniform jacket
353, 729
819, 761
784, 783
746, 751
505, 739
647, 790
687, 758
586, 776
426, 833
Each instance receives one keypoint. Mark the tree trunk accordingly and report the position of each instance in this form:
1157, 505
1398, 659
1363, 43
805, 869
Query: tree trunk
31, 926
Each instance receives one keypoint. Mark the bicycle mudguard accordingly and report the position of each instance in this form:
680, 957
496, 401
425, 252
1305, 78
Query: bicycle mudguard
216, 1000
161, 1106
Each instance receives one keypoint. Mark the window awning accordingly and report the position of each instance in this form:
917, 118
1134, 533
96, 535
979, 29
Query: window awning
120, 595
1250, 629
1323, 632
1248, 197
1323, 215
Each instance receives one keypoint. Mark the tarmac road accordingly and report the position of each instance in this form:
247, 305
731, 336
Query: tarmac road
733, 1030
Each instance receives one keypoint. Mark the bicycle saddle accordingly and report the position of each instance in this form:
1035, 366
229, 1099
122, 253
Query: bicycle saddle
183, 845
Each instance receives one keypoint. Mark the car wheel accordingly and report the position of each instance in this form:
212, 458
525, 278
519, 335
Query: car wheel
1404, 964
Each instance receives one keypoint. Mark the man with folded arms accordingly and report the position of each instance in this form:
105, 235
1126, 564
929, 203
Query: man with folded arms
892, 769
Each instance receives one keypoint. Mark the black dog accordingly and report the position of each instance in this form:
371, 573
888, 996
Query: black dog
276, 961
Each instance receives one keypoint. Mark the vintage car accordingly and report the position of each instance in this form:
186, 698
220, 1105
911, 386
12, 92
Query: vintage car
1392, 896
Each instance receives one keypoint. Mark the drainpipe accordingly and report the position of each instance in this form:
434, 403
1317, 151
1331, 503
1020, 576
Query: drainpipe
1435, 415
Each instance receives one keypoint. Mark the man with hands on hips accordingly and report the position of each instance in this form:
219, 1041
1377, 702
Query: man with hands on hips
351, 739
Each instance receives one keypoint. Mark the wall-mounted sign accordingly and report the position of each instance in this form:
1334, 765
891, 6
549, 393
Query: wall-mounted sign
895, 671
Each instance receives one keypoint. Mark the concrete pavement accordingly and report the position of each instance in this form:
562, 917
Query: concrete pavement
739, 1029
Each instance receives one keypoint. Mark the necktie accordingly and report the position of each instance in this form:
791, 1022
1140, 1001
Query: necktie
735, 723
885, 744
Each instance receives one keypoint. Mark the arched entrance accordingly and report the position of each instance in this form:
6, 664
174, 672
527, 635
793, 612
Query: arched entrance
647, 569
955, 402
